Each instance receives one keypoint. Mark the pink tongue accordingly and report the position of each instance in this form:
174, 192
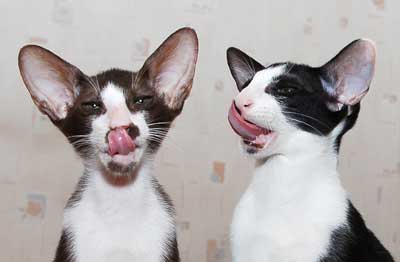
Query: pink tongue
243, 128
119, 142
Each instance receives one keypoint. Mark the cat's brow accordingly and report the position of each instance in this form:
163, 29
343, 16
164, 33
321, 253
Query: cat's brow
293, 79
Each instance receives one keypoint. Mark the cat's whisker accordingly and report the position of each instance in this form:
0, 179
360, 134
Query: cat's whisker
162, 138
158, 132
97, 82
158, 135
159, 123
78, 136
288, 71
93, 85
307, 116
304, 123
159, 128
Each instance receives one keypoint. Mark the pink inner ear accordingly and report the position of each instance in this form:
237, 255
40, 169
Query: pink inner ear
49, 79
352, 71
353, 87
171, 67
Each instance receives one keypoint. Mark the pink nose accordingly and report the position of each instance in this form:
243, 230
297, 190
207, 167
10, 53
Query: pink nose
243, 105
119, 117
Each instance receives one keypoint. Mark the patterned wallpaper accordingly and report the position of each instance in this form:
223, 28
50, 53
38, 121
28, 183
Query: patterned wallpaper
199, 164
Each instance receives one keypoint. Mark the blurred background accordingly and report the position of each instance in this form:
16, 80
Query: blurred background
200, 164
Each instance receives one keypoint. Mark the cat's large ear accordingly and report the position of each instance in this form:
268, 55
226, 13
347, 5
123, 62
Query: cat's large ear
50, 80
348, 75
243, 67
170, 69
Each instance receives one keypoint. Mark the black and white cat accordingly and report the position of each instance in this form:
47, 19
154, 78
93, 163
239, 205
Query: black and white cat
116, 121
291, 118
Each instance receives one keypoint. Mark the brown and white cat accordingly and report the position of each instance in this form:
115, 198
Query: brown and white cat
116, 121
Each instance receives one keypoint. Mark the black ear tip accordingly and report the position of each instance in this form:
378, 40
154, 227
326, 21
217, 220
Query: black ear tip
232, 50
229, 53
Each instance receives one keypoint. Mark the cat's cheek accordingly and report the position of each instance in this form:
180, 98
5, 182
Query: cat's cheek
139, 120
99, 132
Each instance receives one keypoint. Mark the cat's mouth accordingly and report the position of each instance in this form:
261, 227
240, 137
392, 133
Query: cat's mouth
252, 134
121, 146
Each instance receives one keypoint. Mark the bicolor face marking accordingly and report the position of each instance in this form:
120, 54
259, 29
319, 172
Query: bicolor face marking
117, 118
284, 103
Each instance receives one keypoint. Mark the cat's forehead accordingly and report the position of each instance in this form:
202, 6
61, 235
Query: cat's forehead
288, 73
269, 74
122, 78
112, 95
125, 80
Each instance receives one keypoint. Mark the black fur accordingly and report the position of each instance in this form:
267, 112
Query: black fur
355, 242
79, 189
64, 250
171, 253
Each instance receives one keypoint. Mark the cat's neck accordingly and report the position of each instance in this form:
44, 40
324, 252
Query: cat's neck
301, 170
108, 188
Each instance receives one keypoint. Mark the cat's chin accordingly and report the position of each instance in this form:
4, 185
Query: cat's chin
119, 165
261, 147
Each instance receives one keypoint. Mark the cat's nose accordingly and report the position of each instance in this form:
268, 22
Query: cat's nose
243, 104
248, 104
119, 117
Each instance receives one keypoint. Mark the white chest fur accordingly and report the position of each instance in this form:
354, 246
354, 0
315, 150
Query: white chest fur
119, 223
289, 211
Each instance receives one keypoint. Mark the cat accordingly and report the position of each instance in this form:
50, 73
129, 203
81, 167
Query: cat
291, 118
116, 121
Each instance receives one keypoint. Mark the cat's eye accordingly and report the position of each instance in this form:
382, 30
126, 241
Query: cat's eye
141, 100
287, 90
92, 106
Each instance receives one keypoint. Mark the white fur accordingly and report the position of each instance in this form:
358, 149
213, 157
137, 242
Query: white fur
119, 224
295, 199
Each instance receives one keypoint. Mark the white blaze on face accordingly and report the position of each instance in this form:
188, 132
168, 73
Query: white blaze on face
116, 109
264, 110
118, 115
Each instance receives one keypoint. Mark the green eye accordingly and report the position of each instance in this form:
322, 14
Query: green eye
141, 100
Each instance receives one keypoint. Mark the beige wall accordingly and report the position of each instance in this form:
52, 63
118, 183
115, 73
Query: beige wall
200, 164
